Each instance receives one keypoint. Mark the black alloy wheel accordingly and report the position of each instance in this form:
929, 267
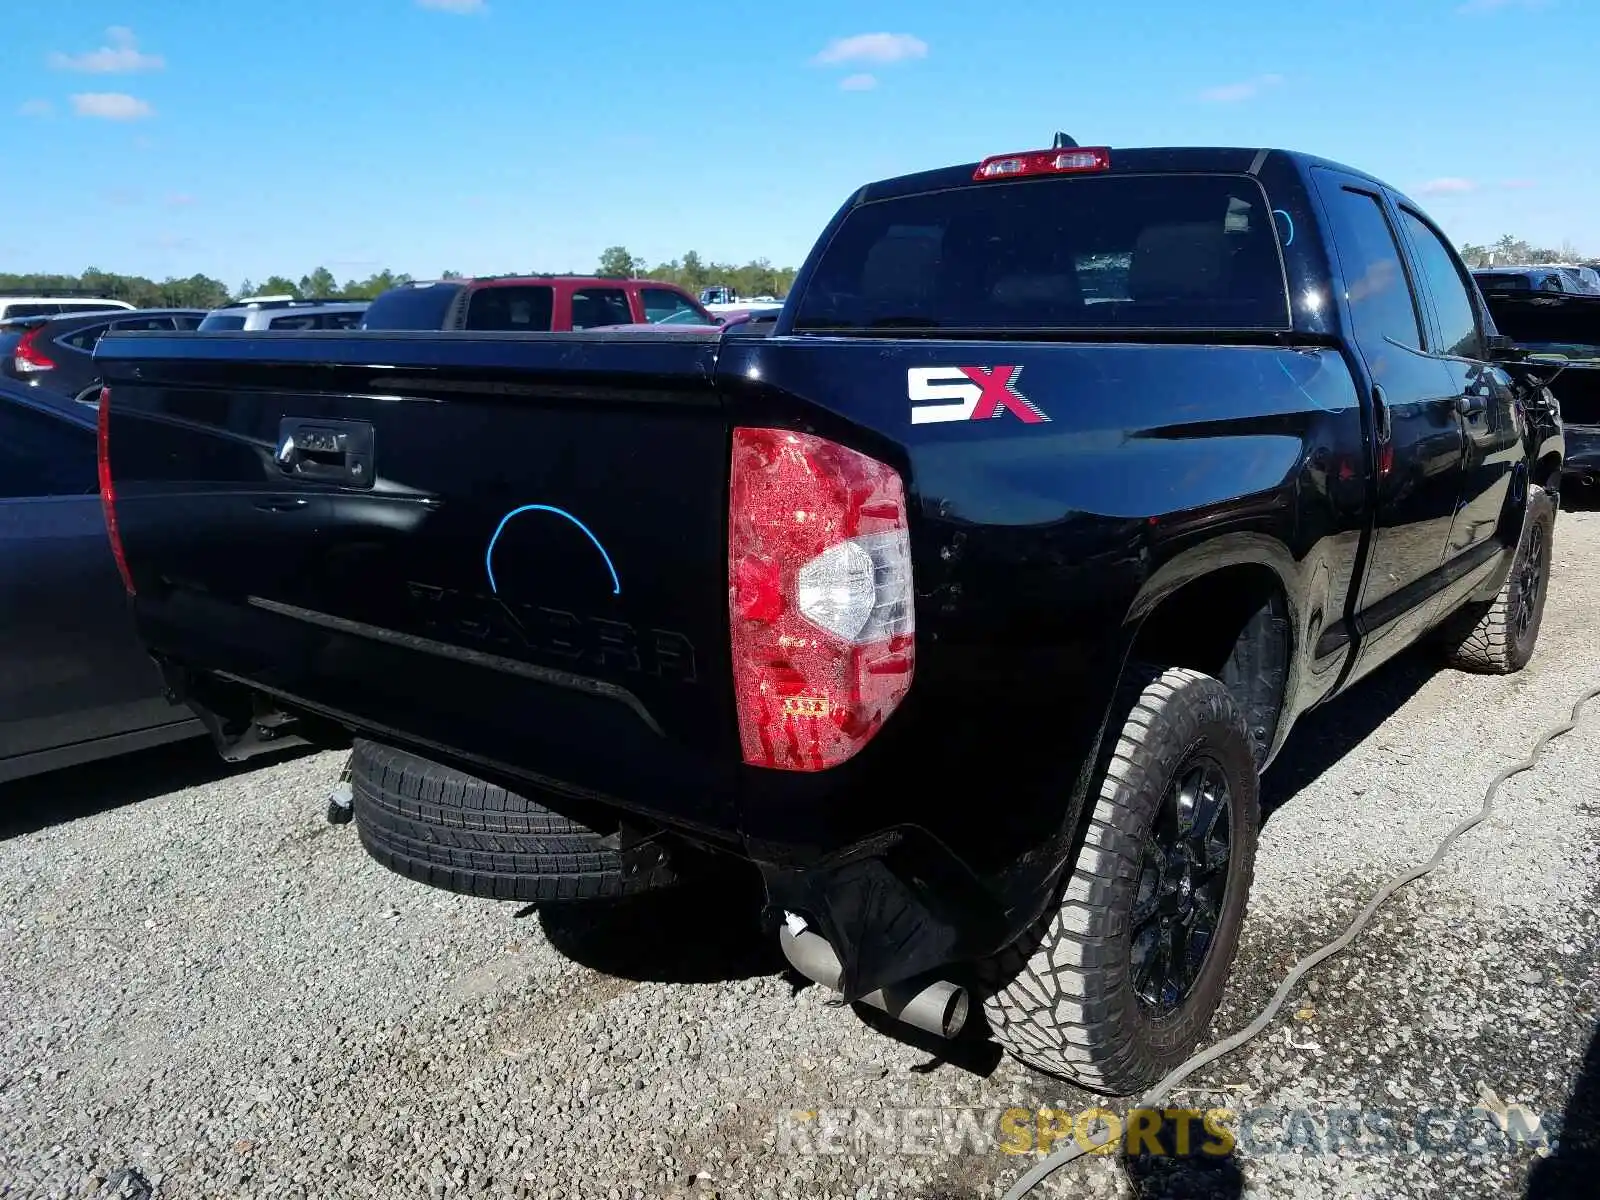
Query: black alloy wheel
1183, 878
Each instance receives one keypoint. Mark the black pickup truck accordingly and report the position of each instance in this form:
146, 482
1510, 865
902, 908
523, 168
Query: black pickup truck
967, 605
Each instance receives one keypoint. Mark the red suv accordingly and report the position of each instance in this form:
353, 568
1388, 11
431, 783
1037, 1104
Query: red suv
533, 304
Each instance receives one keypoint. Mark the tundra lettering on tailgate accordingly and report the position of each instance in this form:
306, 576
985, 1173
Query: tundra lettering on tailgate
968, 394
571, 638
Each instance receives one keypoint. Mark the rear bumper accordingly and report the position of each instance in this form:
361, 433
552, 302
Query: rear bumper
1583, 451
901, 858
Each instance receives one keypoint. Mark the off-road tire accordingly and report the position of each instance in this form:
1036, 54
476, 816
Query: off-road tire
1491, 639
451, 830
1063, 999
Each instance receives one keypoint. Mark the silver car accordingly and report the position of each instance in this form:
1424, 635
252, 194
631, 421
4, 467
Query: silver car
285, 312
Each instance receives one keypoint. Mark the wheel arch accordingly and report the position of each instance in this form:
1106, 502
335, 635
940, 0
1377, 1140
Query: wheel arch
1229, 609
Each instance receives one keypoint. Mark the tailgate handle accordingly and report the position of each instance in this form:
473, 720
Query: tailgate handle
325, 451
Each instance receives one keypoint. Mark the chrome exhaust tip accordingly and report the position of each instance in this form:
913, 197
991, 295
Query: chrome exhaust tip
939, 1008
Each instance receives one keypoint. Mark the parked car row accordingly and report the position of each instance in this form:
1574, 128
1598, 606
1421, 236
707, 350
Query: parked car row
1551, 277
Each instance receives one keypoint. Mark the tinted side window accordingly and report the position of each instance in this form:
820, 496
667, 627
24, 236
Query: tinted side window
661, 304
593, 307
223, 321
341, 320
84, 339
1381, 305
32, 310
510, 309
1458, 321
186, 322
304, 321
41, 455
142, 324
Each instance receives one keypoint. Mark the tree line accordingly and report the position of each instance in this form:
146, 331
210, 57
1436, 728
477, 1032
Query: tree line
758, 278
1511, 251
692, 272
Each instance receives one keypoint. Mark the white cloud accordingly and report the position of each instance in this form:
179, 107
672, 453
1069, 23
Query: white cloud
858, 83
111, 106
1233, 93
36, 108
454, 6
874, 48
1450, 185
123, 54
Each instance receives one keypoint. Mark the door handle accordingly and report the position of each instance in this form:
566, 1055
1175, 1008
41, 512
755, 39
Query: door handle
1470, 404
1380, 407
325, 451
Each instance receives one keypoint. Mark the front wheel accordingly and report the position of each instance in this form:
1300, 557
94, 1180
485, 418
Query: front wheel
1114, 988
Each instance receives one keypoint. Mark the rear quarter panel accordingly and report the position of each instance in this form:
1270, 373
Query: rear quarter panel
1040, 545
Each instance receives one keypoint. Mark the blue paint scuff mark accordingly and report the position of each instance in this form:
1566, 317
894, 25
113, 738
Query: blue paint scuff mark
488, 557
1288, 220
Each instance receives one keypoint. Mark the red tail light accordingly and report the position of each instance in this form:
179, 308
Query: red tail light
1073, 161
819, 590
108, 491
27, 357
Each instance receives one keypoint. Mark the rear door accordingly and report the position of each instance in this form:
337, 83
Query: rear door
1418, 447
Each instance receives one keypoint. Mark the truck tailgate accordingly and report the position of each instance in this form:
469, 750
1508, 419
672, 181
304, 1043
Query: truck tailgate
522, 560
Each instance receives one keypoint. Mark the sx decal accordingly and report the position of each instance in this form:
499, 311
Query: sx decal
488, 557
968, 394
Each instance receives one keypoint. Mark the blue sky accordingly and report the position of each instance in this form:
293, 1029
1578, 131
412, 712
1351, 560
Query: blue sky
178, 136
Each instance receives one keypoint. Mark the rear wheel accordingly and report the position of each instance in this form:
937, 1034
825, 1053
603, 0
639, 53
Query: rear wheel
1114, 987
1498, 638
443, 827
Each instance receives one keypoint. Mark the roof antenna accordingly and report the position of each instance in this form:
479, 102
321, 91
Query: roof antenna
1063, 142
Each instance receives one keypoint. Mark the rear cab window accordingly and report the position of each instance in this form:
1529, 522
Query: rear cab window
1502, 282
513, 308
1190, 251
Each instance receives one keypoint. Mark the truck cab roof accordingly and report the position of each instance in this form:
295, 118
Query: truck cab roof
1244, 160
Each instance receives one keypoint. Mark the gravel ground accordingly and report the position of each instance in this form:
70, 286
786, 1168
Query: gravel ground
203, 981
